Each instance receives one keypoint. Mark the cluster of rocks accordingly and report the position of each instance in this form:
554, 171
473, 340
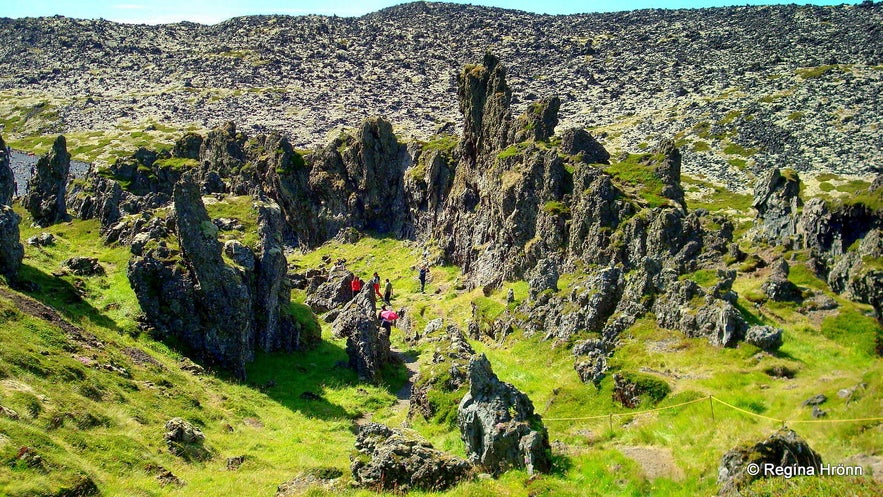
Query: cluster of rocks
355, 182
649, 63
497, 423
185, 440
222, 313
11, 249
843, 238
393, 460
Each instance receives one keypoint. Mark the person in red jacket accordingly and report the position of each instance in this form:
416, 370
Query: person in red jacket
355, 285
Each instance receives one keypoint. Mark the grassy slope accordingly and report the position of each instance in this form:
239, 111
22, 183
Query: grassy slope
111, 426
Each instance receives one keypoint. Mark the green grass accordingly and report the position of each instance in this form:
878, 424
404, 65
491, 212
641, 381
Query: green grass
240, 208
111, 424
714, 197
637, 174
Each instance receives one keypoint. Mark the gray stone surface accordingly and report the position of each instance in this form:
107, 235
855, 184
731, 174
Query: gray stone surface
499, 426
396, 460
783, 448
47, 188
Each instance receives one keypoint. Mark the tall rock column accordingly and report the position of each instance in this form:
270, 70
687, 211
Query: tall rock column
223, 301
7, 178
11, 250
776, 200
484, 102
46, 189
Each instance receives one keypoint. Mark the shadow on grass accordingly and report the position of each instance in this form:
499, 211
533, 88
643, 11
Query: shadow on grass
302, 382
61, 296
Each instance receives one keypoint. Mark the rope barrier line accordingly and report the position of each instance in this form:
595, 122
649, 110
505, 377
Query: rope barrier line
623, 414
854, 420
731, 406
713, 399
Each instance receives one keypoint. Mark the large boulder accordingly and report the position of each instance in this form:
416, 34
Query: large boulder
783, 449
367, 344
395, 460
576, 141
765, 337
46, 189
777, 286
498, 424
185, 440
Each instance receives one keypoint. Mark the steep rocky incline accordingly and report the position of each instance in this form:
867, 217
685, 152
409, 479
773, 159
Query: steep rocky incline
743, 87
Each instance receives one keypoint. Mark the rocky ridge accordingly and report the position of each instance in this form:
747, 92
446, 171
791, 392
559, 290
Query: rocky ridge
740, 88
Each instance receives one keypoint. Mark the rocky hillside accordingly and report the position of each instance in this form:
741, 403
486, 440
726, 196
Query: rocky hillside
741, 89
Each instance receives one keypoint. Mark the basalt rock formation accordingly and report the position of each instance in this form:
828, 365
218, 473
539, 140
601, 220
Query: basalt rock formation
777, 202
367, 343
222, 313
11, 249
498, 424
843, 237
7, 179
47, 188
399, 461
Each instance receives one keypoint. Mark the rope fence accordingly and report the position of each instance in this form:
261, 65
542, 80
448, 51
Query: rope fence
711, 401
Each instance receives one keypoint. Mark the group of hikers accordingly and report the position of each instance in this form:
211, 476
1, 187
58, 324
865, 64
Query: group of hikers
386, 316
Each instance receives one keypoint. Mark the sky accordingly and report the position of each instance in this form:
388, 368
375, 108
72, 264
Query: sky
214, 11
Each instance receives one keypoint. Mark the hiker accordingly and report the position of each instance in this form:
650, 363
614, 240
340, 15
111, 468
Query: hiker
387, 319
423, 271
355, 285
387, 291
375, 282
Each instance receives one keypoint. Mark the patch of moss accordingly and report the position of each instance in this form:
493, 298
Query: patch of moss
555, 207
176, 163
701, 146
816, 72
736, 149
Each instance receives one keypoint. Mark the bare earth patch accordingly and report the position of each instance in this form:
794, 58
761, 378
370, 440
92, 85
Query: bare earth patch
655, 462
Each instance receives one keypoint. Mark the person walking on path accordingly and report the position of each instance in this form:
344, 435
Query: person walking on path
355, 285
423, 271
387, 291
375, 282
